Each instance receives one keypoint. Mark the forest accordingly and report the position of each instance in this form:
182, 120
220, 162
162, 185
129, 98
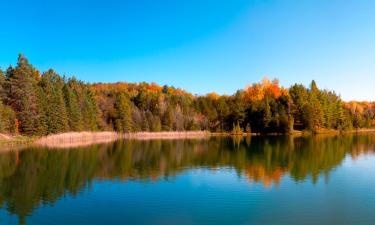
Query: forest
35, 104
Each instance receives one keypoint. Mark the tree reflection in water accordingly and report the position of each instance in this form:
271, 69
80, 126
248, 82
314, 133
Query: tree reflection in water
36, 176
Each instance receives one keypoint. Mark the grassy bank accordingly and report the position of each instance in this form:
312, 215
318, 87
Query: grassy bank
298, 132
78, 139
167, 135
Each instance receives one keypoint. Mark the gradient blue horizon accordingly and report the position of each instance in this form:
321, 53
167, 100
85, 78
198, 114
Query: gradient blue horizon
201, 46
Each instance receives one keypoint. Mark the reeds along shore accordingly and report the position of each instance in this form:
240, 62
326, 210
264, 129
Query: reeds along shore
80, 139
77, 139
166, 135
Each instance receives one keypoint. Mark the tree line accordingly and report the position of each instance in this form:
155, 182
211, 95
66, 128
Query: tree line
35, 103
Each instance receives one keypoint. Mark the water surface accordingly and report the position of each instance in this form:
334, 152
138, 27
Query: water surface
257, 180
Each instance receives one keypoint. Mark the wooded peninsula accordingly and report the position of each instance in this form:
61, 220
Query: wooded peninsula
38, 104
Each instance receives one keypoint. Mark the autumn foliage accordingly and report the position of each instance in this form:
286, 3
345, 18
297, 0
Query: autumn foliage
36, 103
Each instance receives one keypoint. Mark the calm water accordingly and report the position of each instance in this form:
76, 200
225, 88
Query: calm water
274, 180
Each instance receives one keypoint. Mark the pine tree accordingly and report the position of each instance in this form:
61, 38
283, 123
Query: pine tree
72, 107
167, 120
7, 120
44, 116
22, 95
123, 122
299, 102
3, 86
90, 111
156, 125
137, 119
87, 105
145, 123
314, 110
52, 86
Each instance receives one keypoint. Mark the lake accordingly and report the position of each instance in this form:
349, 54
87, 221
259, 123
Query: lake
220, 180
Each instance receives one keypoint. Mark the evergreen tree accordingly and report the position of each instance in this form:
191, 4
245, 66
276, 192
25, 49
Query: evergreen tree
22, 95
314, 109
87, 105
52, 86
44, 109
137, 119
299, 103
89, 111
123, 122
7, 120
72, 107
167, 120
3, 86
145, 123
156, 124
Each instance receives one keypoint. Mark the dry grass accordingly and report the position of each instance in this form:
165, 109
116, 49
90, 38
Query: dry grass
5, 137
362, 130
166, 135
14, 142
78, 139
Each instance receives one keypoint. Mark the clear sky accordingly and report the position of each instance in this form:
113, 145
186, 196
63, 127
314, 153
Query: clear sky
199, 45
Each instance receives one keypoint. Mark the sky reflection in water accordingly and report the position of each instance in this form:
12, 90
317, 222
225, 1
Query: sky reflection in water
258, 180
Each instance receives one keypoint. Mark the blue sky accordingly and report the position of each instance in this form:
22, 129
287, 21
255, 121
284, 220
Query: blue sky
199, 45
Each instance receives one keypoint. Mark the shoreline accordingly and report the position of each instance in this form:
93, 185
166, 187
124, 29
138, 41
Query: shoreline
81, 139
86, 138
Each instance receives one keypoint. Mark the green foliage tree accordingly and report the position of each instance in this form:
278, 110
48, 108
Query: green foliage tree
55, 111
72, 106
123, 122
22, 95
7, 120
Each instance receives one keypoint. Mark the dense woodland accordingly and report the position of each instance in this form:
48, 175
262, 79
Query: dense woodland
35, 103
